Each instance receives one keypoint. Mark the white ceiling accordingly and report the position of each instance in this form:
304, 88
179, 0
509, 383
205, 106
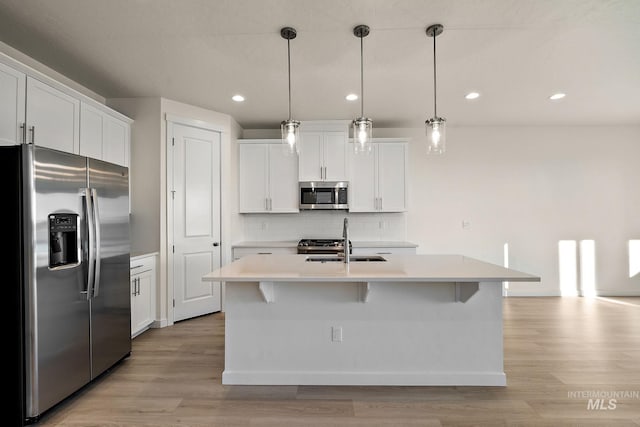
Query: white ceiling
514, 52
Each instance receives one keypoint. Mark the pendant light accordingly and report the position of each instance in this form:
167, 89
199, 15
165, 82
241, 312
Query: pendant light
436, 130
362, 126
290, 128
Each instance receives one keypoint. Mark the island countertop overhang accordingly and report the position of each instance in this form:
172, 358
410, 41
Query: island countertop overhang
396, 268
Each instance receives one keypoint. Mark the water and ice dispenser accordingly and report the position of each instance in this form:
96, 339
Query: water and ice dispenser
63, 240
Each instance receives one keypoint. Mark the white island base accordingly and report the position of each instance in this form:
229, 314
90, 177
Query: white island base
359, 326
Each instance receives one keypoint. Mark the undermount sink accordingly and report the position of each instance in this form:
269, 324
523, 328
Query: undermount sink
354, 258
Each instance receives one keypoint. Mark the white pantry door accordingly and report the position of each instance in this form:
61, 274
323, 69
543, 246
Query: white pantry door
195, 193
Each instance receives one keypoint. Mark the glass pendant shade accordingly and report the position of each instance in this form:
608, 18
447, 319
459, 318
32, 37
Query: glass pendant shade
362, 126
362, 134
436, 135
290, 136
290, 128
436, 129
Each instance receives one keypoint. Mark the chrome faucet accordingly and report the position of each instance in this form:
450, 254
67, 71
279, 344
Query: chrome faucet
345, 234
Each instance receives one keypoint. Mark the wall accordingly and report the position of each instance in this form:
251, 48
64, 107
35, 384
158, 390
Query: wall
149, 159
530, 187
328, 224
34, 65
527, 187
145, 172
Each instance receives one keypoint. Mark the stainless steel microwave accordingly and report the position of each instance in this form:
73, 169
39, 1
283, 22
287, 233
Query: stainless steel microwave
324, 195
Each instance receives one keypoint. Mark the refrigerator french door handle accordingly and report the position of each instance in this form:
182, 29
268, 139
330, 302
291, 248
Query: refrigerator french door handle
88, 204
98, 242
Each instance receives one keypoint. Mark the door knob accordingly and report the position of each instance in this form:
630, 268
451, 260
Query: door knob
216, 243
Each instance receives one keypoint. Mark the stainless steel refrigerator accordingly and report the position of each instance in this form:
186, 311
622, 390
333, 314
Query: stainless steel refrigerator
66, 253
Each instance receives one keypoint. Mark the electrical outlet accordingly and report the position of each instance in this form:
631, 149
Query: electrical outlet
336, 333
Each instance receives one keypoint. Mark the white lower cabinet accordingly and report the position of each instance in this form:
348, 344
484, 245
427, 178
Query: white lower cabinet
143, 286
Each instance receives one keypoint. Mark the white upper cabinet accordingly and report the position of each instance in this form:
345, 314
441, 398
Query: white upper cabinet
91, 131
35, 109
323, 147
103, 136
268, 178
254, 177
12, 96
53, 117
378, 180
116, 143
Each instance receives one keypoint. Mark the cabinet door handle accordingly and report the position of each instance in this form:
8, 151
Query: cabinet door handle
270, 204
135, 290
380, 203
325, 172
23, 133
216, 244
137, 286
32, 129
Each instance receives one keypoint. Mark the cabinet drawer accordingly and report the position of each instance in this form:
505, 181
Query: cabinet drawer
142, 264
384, 251
240, 252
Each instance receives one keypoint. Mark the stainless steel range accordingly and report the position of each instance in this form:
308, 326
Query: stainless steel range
322, 246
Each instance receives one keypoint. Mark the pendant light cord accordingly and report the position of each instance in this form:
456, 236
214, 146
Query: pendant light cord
361, 79
289, 71
435, 91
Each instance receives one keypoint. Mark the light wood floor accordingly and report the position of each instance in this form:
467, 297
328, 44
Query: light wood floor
553, 346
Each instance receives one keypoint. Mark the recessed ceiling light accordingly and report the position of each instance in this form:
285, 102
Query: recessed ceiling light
557, 96
351, 97
472, 95
238, 98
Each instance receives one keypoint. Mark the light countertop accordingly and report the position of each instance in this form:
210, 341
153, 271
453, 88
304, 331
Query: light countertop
267, 244
354, 244
397, 268
139, 255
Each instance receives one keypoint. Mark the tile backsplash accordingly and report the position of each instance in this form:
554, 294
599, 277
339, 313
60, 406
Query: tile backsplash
325, 224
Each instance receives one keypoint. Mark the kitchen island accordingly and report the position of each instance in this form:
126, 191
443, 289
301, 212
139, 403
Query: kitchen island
406, 320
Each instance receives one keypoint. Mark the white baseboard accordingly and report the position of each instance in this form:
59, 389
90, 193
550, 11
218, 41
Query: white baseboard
599, 293
614, 293
364, 378
160, 323
516, 293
